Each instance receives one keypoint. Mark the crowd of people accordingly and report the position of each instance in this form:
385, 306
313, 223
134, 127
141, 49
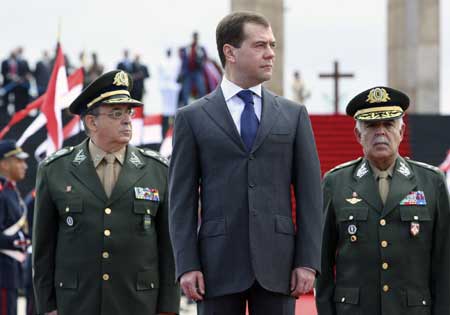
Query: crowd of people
238, 219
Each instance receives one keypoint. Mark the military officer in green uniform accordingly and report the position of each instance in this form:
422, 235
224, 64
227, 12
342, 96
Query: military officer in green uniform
100, 239
386, 239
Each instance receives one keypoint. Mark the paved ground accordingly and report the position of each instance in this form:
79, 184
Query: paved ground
305, 306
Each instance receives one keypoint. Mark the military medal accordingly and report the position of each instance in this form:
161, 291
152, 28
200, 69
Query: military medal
352, 229
353, 200
414, 229
145, 193
414, 198
147, 221
69, 221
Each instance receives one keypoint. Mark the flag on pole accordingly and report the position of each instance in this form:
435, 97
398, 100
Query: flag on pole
52, 105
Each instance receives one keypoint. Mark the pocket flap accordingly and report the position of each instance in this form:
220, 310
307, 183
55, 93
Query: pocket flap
419, 297
414, 213
212, 228
147, 280
146, 207
346, 295
284, 225
66, 280
353, 214
74, 205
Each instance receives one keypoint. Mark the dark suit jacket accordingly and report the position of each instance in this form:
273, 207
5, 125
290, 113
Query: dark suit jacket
246, 229
69, 243
386, 269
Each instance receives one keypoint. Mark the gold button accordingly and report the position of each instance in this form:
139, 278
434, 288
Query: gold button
385, 288
343, 299
384, 244
105, 255
108, 211
353, 238
385, 266
382, 222
105, 276
67, 209
107, 232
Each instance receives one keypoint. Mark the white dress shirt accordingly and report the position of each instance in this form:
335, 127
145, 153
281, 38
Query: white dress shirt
235, 104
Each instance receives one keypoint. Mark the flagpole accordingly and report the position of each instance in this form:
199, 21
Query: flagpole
58, 35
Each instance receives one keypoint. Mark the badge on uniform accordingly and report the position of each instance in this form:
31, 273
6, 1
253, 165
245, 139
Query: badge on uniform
353, 200
352, 229
414, 229
69, 221
146, 193
414, 198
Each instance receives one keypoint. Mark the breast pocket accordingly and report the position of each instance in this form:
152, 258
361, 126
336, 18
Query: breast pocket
145, 212
416, 222
71, 214
347, 301
352, 224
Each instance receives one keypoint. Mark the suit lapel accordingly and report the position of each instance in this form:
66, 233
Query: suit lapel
402, 183
365, 186
217, 109
83, 169
129, 174
269, 115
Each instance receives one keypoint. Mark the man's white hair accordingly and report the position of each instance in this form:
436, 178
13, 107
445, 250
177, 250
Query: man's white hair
399, 122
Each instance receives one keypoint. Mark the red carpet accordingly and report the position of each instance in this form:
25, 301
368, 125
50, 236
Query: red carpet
306, 306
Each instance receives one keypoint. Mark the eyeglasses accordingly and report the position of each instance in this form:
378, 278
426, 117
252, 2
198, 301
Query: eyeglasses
119, 113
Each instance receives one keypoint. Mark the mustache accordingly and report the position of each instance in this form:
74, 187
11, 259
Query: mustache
381, 140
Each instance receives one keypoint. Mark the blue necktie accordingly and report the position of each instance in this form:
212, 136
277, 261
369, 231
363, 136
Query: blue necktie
249, 121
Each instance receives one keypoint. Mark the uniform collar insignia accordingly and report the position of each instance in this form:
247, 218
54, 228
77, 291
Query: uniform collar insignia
80, 157
403, 169
135, 160
363, 170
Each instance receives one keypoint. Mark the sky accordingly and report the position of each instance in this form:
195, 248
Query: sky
317, 33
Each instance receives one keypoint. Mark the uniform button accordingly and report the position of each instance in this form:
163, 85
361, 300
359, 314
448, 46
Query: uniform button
105, 277
107, 232
108, 210
61, 284
350, 217
385, 266
148, 211
416, 217
152, 285
353, 238
384, 244
424, 302
385, 288
67, 209
251, 185
343, 299
105, 255
382, 222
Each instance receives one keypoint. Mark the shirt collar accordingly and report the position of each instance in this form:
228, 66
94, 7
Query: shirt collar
377, 171
230, 89
98, 154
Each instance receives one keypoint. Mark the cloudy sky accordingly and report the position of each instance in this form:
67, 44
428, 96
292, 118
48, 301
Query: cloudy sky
316, 33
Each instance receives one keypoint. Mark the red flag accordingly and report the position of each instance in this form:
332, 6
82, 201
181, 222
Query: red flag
57, 86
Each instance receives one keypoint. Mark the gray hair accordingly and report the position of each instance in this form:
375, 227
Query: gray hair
94, 112
400, 123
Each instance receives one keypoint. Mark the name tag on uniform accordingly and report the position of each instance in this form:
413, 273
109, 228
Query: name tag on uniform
414, 198
145, 193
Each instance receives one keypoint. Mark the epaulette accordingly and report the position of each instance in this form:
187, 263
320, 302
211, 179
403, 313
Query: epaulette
424, 165
56, 155
343, 165
155, 155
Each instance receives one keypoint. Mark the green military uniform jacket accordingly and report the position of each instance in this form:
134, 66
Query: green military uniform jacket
93, 255
388, 260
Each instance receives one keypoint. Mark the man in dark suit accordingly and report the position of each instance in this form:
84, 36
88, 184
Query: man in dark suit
386, 239
239, 151
13, 241
101, 240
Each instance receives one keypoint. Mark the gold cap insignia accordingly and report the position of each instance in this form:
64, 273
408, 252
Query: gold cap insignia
378, 95
121, 78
